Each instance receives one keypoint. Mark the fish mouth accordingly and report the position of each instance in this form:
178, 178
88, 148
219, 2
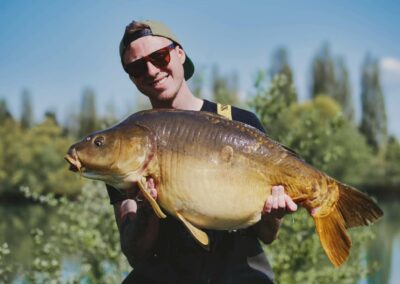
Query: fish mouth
74, 163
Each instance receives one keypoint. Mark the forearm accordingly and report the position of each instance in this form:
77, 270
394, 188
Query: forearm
276, 206
138, 228
267, 228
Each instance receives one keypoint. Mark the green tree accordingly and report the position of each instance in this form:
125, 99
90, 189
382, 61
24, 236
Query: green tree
21, 218
26, 109
271, 103
280, 66
323, 73
5, 113
34, 157
331, 78
297, 255
343, 89
51, 115
325, 139
315, 129
392, 166
6, 268
11, 142
225, 89
373, 119
87, 231
88, 113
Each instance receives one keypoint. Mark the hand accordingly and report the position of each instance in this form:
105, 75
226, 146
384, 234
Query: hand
278, 203
137, 223
135, 199
127, 209
152, 189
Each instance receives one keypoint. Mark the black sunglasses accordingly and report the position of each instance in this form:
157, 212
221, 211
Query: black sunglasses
159, 58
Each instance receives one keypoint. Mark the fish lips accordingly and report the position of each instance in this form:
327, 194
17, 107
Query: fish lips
72, 158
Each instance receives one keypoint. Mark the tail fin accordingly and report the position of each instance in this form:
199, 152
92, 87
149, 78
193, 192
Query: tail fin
352, 209
357, 208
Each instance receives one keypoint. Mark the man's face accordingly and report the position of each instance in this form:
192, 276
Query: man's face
158, 83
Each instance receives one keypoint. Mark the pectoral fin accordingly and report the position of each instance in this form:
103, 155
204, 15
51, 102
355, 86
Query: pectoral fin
198, 234
143, 187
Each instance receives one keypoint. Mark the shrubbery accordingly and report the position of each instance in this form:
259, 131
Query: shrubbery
86, 228
85, 232
324, 138
34, 157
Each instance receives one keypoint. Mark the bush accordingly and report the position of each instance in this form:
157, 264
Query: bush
34, 158
297, 255
324, 138
86, 231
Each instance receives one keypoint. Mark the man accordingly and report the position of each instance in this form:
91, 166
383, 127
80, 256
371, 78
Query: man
161, 251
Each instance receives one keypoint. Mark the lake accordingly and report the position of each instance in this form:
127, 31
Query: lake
18, 221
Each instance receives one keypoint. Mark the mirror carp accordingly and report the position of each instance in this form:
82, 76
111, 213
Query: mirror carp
215, 173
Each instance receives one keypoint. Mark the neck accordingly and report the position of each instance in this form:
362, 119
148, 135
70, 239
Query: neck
184, 100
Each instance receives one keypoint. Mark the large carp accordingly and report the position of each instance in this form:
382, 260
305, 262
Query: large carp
214, 173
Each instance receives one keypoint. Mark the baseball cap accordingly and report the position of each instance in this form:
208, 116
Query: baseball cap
156, 29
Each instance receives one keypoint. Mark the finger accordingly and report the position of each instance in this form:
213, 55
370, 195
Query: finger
153, 192
290, 203
275, 204
127, 207
277, 190
152, 188
281, 201
268, 205
150, 183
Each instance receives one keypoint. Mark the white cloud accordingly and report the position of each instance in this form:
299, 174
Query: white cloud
390, 67
390, 64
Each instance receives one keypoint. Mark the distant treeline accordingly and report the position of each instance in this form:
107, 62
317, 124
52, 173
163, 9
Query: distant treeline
322, 129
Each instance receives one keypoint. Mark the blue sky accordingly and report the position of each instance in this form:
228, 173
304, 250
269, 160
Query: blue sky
57, 48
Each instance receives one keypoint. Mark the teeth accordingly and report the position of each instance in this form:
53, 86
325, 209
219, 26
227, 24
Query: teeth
157, 82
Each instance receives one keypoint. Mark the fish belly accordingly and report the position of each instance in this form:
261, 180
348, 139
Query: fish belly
211, 195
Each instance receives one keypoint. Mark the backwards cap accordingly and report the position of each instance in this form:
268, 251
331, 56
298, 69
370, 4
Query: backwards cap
155, 29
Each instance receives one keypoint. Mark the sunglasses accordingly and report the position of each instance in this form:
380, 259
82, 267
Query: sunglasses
159, 58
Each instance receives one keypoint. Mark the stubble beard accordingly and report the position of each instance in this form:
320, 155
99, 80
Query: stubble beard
166, 97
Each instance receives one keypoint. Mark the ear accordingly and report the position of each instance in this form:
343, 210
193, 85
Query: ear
181, 54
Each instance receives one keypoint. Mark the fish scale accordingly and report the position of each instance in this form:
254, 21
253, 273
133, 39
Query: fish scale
214, 173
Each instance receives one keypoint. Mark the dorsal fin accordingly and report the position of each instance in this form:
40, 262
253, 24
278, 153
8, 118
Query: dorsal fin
293, 152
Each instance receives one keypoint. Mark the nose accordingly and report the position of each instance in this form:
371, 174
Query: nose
152, 70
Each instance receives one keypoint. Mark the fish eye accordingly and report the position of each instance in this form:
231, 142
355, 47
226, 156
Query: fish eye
99, 141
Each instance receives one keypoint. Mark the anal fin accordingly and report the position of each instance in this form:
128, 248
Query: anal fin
143, 187
198, 234
333, 236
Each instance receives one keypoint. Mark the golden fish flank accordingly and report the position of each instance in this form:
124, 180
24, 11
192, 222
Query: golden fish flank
215, 173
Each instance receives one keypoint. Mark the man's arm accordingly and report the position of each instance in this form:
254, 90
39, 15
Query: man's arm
276, 206
138, 227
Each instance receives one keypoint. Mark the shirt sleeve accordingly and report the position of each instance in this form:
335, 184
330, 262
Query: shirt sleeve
115, 195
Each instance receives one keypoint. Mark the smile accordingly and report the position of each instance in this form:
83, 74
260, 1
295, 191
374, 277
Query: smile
158, 82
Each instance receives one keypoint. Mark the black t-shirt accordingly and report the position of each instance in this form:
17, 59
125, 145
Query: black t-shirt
234, 257
237, 114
